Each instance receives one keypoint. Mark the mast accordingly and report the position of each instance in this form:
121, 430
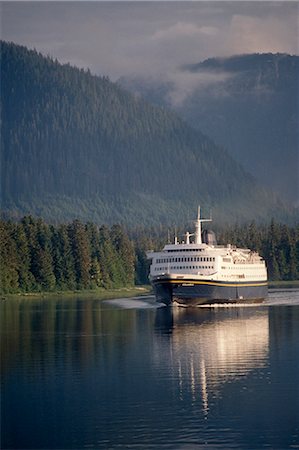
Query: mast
197, 233
198, 223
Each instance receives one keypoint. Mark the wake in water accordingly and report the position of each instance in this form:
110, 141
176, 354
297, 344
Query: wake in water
144, 302
282, 297
276, 297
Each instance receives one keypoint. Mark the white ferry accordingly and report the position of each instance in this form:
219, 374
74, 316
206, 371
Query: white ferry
198, 271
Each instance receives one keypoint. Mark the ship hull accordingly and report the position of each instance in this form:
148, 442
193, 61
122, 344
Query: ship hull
208, 292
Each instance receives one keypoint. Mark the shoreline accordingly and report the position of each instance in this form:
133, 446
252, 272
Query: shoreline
104, 294
283, 284
100, 294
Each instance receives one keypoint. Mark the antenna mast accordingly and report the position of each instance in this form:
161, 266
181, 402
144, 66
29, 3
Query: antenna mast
198, 223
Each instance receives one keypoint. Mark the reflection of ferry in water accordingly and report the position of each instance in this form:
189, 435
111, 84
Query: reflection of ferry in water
211, 347
201, 271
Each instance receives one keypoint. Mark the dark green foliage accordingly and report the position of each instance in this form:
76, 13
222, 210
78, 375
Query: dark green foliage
111, 268
25, 277
81, 252
75, 145
38, 257
124, 249
8, 259
277, 243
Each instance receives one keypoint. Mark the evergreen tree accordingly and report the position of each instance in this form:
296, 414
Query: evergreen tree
109, 261
95, 273
272, 251
81, 253
68, 263
44, 270
8, 259
26, 279
124, 249
254, 237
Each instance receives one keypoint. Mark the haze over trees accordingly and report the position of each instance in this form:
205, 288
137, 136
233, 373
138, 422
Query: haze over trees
247, 103
75, 145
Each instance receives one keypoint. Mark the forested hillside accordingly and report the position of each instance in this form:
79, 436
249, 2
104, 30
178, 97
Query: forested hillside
247, 103
75, 145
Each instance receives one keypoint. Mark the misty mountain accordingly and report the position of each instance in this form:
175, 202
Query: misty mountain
75, 145
248, 104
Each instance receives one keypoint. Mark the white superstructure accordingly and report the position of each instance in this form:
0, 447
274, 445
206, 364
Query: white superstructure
195, 261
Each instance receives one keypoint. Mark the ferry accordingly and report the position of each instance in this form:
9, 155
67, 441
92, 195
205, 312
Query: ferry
197, 271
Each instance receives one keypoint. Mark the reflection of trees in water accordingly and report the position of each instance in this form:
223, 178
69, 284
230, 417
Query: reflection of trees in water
209, 347
39, 332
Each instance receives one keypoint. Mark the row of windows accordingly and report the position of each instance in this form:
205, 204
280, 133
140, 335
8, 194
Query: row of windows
186, 259
186, 250
158, 269
236, 268
242, 276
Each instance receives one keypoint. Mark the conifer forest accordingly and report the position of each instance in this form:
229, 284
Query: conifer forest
78, 146
38, 257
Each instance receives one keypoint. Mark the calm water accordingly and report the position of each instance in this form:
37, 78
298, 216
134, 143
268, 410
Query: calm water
127, 374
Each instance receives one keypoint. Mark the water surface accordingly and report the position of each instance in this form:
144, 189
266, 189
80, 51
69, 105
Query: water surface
130, 373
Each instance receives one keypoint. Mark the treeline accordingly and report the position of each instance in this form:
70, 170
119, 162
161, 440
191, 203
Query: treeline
36, 256
277, 243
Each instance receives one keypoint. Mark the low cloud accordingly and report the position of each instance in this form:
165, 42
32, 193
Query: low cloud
183, 30
151, 38
185, 83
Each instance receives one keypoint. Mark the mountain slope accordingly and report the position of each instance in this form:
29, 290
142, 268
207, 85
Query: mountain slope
247, 103
77, 145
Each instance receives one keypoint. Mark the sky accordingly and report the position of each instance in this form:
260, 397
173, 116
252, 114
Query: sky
150, 38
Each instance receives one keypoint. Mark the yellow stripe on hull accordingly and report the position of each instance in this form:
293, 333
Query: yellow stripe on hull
211, 283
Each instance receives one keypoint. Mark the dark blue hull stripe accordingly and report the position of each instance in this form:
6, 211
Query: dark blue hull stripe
199, 292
